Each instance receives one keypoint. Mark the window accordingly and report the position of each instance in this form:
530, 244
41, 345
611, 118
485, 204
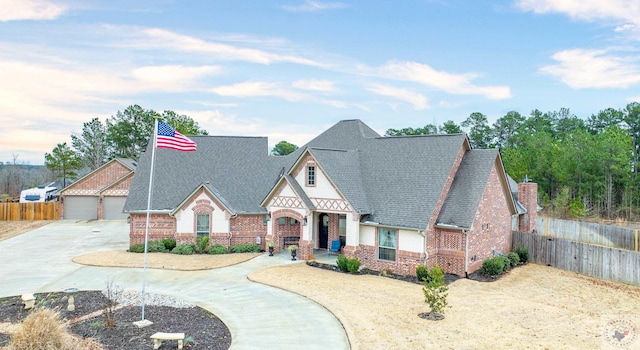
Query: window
202, 224
311, 175
342, 229
387, 244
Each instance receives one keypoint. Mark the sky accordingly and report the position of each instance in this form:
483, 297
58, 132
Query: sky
290, 69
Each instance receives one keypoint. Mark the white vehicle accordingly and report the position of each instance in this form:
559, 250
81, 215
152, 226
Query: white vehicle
48, 193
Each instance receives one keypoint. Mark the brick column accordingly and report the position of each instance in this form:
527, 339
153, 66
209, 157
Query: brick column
528, 196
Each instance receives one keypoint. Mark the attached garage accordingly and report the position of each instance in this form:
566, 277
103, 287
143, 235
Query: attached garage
100, 195
81, 208
112, 208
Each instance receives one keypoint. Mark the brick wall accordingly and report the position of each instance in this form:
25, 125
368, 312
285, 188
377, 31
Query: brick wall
491, 230
160, 226
451, 250
245, 229
528, 196
405, 263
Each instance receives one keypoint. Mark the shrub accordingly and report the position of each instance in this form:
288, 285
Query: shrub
513, 258
41, 329
436, 275
353, 265
169, 243
246, 248
217, 249
201, 244
492, 266
156, 247
184, 249
523, 254
435, 290
137, 248
422, 273
506, 262
342, 263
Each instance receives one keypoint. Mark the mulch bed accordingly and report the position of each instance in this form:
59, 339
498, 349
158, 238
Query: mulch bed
478, 276
206, 330
448, 277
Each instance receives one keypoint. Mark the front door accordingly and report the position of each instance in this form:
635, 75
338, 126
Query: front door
323, 230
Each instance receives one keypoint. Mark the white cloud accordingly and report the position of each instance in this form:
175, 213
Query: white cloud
418, 101
625, 14
160, 76
452, 83
11, 10
315, 85
580, 68
258, 88
314, 6
165, 39
634, 99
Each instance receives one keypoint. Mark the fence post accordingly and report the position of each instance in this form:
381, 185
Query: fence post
636, 240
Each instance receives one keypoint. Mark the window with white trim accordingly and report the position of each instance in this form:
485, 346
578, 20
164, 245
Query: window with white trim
387, 239
311, 175
202, 224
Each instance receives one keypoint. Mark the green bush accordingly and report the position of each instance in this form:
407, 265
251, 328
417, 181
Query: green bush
436, 275
492, 266
353, 265
513, 258
184, 249
422, 273
217, 249
137, 248
201, 244
169, 243
523, 254
156, 247
342, 263
506, 262
246, 248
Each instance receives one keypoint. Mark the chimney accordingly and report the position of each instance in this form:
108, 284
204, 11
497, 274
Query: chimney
528, 196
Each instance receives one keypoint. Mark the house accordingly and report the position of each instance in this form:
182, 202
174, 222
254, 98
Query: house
100, 194
393, 202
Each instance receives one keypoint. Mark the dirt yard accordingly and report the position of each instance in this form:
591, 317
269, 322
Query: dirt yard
533, 307
10, 229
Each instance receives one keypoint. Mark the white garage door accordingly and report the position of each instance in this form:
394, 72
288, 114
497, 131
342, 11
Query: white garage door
112, 208
80, 207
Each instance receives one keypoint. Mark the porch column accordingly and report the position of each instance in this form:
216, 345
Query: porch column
307, 244
352, 246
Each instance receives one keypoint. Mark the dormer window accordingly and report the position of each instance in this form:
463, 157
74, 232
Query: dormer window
311, 175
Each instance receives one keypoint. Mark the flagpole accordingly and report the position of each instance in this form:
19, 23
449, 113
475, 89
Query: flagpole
146, 230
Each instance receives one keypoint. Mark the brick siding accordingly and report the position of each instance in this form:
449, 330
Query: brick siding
160, 226
528, 196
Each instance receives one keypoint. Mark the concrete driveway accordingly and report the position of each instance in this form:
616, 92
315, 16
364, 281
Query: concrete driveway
258, 316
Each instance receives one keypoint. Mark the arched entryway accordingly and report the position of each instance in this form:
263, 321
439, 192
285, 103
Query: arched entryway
323, 231
287, 228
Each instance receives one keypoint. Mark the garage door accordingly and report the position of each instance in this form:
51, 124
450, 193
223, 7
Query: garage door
112, 208
80, 207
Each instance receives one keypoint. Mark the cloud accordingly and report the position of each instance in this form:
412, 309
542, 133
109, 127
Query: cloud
167, 40
314, 6
160, 76
625, 14
418, 101
581, 68
258, 88
315, 85
452, 83
11, 10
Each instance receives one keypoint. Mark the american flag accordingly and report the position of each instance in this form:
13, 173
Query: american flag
169, 138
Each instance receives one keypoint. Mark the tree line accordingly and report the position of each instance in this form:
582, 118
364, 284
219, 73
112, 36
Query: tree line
123, 135
583, 167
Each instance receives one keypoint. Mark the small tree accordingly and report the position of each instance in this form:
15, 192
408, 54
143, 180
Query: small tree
63, 162
283, 148
436, 291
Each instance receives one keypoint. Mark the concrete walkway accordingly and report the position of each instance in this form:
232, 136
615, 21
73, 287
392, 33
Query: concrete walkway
258, 316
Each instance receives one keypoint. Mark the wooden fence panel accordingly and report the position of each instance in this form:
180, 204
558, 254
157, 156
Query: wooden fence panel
587, 232
619, 265
29, 211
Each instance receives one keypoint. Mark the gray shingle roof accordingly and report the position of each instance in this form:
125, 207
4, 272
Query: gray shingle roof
238, 167
404, 176
466, 191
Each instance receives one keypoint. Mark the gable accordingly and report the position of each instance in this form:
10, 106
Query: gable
94, 182
120, 187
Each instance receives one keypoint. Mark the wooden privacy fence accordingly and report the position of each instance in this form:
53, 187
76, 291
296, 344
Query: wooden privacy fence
618, 265
29, 211
588, 232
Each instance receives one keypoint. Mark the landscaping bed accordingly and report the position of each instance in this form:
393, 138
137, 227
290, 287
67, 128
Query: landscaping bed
204, 328
448, 278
